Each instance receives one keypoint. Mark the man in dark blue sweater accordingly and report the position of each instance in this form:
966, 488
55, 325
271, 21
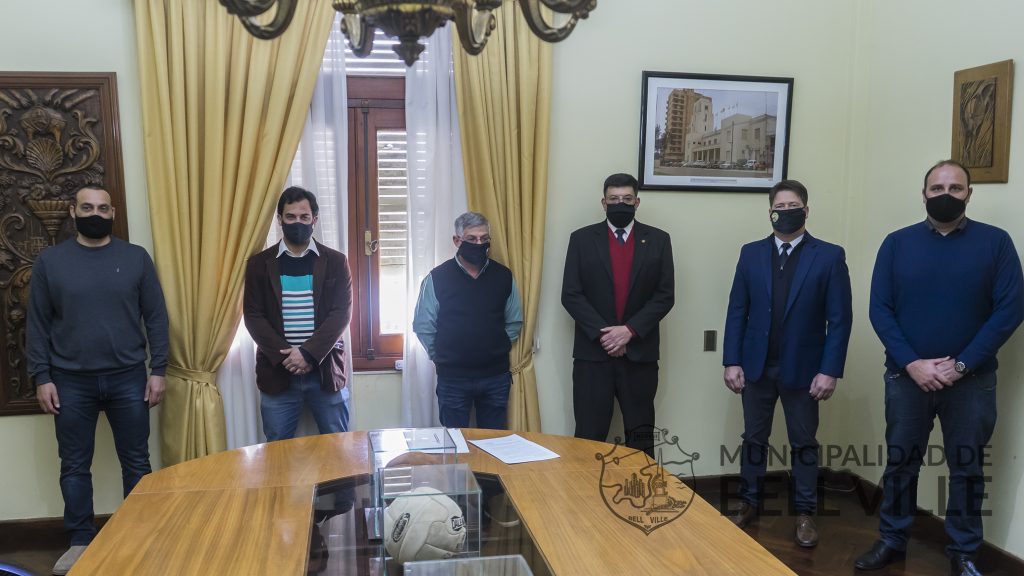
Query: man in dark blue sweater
945, 295
467, 316
95, 302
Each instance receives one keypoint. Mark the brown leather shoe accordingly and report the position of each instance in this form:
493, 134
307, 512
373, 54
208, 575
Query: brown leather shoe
744, 515
806, 532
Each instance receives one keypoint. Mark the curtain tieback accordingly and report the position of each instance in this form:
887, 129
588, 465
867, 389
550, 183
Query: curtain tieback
201, 376
522, 364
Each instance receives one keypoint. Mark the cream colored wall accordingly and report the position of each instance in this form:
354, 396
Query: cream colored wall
595, 126
83, 36
872, 107
908, 54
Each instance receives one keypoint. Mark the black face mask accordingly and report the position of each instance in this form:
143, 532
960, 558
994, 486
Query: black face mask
945, 208
620, 215
95, 226
475, 254
788, 221
297, 232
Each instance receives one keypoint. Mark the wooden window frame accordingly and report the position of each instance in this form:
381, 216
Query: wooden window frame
373, 103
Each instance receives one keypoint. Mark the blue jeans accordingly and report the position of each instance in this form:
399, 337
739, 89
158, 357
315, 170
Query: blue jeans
455, 397
82, 397
801, 425
281, 412
967, 413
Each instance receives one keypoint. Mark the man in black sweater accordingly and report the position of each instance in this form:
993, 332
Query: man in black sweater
89, 299
467, 317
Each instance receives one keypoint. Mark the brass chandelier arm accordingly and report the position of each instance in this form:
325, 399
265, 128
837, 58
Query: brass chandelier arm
247, 10
247, 7
359, 34
533, 12
474, 25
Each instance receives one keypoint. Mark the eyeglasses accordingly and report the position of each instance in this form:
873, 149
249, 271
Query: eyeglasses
476, 239
627, 199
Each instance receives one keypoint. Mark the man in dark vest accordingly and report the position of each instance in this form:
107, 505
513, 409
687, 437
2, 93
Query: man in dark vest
786, 334
619, 283
467, 316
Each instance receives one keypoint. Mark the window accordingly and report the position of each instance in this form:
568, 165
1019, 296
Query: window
378, 196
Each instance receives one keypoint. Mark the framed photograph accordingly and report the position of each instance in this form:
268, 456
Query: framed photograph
982, 98
711, 132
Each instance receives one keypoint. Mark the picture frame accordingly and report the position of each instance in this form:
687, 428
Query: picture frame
982, 102
710, 132
58, 131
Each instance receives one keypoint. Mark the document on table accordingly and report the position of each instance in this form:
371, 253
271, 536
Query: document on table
514, 449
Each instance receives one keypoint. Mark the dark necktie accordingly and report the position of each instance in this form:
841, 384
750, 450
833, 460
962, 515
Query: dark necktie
620, 234
784, 256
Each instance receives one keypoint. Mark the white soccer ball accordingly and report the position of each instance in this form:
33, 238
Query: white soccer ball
428, 526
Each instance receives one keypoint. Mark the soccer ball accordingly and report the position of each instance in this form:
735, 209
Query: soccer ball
427, 526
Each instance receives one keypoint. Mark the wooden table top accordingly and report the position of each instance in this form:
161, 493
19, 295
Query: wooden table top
248, 511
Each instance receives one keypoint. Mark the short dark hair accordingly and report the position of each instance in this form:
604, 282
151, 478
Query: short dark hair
940, 164
618, 181
74, 195
791, 185
294, 194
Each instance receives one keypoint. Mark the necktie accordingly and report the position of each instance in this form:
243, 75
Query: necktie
620, 234
784, 256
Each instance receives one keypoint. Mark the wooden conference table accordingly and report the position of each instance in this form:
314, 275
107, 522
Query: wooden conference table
249, 511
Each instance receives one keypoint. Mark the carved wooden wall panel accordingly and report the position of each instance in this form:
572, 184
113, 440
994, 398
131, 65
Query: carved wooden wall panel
58, 131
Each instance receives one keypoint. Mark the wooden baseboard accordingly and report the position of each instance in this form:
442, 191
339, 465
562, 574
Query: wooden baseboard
37, 533
927, 523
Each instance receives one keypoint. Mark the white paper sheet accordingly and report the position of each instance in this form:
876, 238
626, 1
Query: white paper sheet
514, 449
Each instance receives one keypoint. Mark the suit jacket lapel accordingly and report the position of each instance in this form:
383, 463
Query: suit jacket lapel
802, 267
766, 263
601, 241
639, 234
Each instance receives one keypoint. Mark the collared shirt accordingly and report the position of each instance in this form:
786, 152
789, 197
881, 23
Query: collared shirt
792, 243
959, 225
424, 322
282, 248
628, 228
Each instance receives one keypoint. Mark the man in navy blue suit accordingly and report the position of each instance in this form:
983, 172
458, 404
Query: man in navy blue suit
786, 333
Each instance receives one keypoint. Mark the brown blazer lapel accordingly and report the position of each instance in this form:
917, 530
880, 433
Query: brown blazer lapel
274, 275
319, 278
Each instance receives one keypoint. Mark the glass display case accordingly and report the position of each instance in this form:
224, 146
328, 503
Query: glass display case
340, 543
512, 565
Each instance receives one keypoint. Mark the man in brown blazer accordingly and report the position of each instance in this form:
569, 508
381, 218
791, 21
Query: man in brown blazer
298, 302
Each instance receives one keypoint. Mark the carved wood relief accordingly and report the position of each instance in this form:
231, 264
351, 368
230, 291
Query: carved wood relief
58, 131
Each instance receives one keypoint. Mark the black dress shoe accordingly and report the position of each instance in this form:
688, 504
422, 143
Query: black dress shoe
879, 556
744, 515
960, 565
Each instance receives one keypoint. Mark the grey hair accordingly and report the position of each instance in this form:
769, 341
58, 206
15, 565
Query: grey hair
470, 220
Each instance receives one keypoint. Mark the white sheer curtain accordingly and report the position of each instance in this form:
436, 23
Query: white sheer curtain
437, 195
321, 166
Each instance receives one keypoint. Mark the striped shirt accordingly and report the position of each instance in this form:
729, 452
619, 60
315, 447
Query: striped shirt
297, 295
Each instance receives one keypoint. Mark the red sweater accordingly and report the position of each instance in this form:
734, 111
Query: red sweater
622, 267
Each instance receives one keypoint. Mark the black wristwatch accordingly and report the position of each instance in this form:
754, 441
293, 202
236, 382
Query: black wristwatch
960, 367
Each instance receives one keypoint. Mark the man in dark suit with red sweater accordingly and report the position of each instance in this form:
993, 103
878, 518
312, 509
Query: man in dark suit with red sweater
619, 283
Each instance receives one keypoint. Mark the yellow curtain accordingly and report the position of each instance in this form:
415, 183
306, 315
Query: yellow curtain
222, 115
504, 106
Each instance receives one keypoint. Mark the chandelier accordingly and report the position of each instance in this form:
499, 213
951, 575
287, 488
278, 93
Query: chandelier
411, 20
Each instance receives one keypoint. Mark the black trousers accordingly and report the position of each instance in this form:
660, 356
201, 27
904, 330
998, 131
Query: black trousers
596, 386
